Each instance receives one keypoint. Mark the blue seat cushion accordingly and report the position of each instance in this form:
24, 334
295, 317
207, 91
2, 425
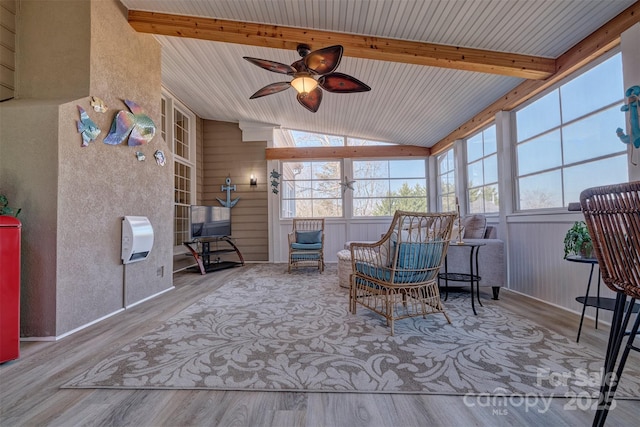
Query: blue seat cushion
306, 246
412, 256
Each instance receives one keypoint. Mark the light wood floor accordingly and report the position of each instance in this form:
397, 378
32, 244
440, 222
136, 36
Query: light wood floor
30, 393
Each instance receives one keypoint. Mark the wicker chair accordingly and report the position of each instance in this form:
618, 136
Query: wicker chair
612, 214
397, 277
306, 243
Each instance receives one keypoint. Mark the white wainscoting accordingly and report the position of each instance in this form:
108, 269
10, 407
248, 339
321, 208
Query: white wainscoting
537, 267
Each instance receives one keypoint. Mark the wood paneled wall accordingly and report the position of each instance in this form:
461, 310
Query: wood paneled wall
7, 48
225, 154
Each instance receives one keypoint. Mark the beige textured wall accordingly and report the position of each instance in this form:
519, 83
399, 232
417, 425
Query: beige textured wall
79, 195
52, 47
28, 176
225, 154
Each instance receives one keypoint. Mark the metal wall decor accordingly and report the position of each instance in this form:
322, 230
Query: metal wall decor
228, 188
87, 127
136, 125
275, 177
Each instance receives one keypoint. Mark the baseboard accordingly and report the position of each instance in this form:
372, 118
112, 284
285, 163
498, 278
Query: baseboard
79, 328
66, 334
150, 297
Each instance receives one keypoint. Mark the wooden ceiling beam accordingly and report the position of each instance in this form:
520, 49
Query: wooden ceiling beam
358, 46
349, 152
598, 43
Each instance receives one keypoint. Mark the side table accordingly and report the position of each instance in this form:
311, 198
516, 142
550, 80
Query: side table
597, 301
472, 278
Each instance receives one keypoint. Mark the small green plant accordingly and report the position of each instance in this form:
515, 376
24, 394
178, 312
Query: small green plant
577, 241
5, 209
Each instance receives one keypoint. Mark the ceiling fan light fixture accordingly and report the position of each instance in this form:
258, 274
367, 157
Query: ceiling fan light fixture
304, 83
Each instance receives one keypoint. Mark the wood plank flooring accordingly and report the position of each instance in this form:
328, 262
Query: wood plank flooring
30, 393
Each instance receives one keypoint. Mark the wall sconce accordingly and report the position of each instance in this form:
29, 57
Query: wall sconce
253, 181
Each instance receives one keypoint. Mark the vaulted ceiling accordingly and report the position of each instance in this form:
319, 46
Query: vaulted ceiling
437, 68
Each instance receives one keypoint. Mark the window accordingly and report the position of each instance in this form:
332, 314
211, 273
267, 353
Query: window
317, 188
311, 189
177, 130
566, 140
446, 186
482, 172
384, 186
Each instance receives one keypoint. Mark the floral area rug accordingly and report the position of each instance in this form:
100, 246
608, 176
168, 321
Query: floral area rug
269, 330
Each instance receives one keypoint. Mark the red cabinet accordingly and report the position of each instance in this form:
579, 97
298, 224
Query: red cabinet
9, 288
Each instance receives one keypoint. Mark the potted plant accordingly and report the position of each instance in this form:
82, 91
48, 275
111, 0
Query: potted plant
577, 241
5, 209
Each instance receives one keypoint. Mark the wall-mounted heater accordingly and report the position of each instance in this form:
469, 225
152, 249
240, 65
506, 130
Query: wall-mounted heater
137, 238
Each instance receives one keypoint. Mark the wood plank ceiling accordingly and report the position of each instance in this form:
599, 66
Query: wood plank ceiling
411, 101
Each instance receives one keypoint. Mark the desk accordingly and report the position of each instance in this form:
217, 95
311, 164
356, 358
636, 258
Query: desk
472, 278
597, 301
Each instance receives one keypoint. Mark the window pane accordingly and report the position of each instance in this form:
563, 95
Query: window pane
311, 189
370, 169
329, 207
474, 148
326, 189
474, 171
406, 169
366, 207
538, 117
476, 201
365, 142
603, 84
491, 198
371, 188
541, 191
449, 203
326, 170
593, 136
405, 187
491, 169
612, 170
308, 139
490, 140
540, 153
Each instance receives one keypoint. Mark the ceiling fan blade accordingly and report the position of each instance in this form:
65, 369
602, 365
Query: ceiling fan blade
271, 89
342, 83
276, 67
325, 60
311, 101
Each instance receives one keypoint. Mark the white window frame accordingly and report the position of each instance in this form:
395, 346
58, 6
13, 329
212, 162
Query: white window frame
563, 165
170, 106
482, 160
439, 175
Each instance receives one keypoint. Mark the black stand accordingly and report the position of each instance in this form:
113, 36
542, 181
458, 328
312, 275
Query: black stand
472, 278
598, 302
204, 257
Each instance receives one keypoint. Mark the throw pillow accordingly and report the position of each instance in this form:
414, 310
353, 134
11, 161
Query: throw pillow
309, 236
474, 226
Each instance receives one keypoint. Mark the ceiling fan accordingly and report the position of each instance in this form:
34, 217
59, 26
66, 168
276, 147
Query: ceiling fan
321, 63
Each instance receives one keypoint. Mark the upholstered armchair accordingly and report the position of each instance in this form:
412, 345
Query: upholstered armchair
397, 277
491, 259
306, 243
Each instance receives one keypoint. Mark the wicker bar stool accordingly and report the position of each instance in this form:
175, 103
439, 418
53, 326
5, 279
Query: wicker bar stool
612, 214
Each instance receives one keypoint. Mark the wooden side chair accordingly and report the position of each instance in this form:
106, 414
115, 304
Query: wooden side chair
612, 215
306, 243
397, 277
